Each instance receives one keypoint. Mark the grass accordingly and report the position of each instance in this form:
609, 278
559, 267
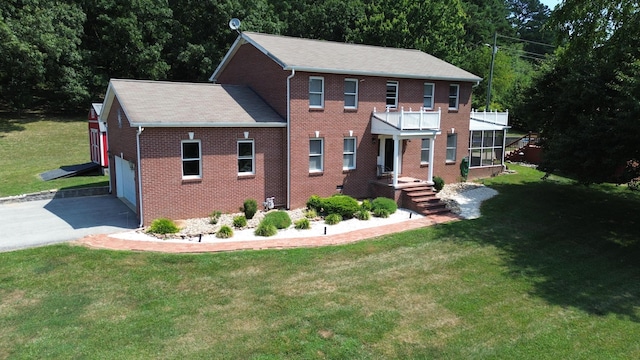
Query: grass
35, 144
550, 271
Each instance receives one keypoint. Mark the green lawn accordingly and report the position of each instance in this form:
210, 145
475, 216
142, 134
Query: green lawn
550, 271
32, 145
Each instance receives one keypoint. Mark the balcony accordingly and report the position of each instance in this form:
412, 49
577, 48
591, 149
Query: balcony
492, 117
405, 122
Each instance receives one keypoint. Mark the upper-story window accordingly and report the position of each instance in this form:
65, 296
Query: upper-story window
246, 157
392, 94
191, 159
316, 92
454, 94
350, 93
429, 90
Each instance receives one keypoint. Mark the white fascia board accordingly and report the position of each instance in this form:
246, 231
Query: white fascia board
106, 104
380, 74
211, 125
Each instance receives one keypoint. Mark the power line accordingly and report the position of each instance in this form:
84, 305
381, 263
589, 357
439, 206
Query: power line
529, 41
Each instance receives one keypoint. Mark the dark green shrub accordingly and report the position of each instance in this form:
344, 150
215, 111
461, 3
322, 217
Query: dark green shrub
279, 219
265, 229
225, 232
363, 214
302, 224
163, 226
384, 203
249, 208
343, 205
438, 183
314, 203
380, 212
366, 205
239, 221
332, 219
310, 214
214, 217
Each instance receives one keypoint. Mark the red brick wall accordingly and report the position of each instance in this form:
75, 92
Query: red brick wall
166, 194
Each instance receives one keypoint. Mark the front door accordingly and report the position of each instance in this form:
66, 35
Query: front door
388, 155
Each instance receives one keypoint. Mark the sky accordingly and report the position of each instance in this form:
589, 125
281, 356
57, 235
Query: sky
550, 3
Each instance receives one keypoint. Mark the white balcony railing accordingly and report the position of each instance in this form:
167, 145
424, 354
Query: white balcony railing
492, 117
410, 120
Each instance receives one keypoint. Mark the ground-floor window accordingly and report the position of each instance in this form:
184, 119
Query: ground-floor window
191, 159
424, 151
452, 146
349, 154
246, 157
316, 151
485, 148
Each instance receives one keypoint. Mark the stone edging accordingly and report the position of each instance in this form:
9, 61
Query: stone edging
50, 194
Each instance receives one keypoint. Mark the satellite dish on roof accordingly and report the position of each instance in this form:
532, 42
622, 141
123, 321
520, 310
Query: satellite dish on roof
234, 24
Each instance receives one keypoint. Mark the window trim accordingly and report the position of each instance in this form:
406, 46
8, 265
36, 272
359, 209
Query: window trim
422, 149
454, 148
432, 96
199, 159
482, 148
457, 96
321, 155
252, 157
321, 93
353, 153
395, 98
355, 94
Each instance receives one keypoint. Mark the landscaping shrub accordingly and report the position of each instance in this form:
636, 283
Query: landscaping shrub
366, 205
438, 183
332, 219
225, 232
384, 203
310, 214
380, 212
265, 228
302, 224
239, 221
214, 217
314, 203
363, 214
249, 208
279, 219
343, 205
163, 226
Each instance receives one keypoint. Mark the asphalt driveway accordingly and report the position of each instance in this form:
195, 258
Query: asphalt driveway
43, 222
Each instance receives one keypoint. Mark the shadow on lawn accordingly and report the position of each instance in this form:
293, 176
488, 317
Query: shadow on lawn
11, 122
578, 246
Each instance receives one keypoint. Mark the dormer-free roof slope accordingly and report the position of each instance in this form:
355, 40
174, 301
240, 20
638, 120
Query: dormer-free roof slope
342, 58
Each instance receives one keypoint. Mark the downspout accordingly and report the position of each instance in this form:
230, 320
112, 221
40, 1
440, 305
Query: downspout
293, 72
140, 130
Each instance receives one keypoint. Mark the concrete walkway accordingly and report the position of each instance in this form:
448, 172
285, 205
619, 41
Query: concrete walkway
112, 243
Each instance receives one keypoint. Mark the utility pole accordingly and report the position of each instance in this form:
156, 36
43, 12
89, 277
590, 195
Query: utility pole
494, 50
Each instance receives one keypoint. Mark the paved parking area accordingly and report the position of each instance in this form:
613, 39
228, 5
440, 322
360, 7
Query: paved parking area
43, 222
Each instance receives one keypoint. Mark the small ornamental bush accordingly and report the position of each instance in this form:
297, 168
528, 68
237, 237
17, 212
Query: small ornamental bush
314, 203
302, 224
380, 212
239, 221
310, 214
265, 229
163, 226
384, 203
225, 232
249, 208
363, 214
332, 219
343, 205
438, 183
366, 205
214, 217
279, 219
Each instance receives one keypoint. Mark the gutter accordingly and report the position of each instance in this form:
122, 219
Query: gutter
293, 72
140, 130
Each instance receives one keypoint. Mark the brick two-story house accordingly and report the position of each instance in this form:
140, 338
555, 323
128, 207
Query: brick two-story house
287, 117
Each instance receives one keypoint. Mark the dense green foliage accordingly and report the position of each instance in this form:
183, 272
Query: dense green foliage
265, 228
302, 224
438, 183
225, 232
279, 219
332, 219
385, 204
163, 226
61, 54
239, 221
363, 214
250, 207
314, 203
343, 205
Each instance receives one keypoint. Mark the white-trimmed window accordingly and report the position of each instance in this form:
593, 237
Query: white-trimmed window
452, 146
316, 92
191, 159
392, 94
454, 95
424, 151
246, 157
485, 148
350, 93
316, 155
429, 91
349, 153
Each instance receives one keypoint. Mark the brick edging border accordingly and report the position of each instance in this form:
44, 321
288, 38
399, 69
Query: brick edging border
50, 194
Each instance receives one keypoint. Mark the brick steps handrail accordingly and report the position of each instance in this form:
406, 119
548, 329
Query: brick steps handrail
422, 199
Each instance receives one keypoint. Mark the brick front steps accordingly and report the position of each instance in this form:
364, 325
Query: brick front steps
422, 199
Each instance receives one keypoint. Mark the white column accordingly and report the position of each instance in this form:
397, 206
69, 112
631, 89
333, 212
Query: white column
396, 163
431, 164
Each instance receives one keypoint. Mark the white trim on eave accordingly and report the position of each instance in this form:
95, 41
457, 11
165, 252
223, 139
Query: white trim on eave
211, 125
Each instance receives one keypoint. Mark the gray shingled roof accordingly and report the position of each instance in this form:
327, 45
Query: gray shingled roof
175, 104
342, 58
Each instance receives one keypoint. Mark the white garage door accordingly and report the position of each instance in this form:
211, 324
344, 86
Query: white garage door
125, 180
